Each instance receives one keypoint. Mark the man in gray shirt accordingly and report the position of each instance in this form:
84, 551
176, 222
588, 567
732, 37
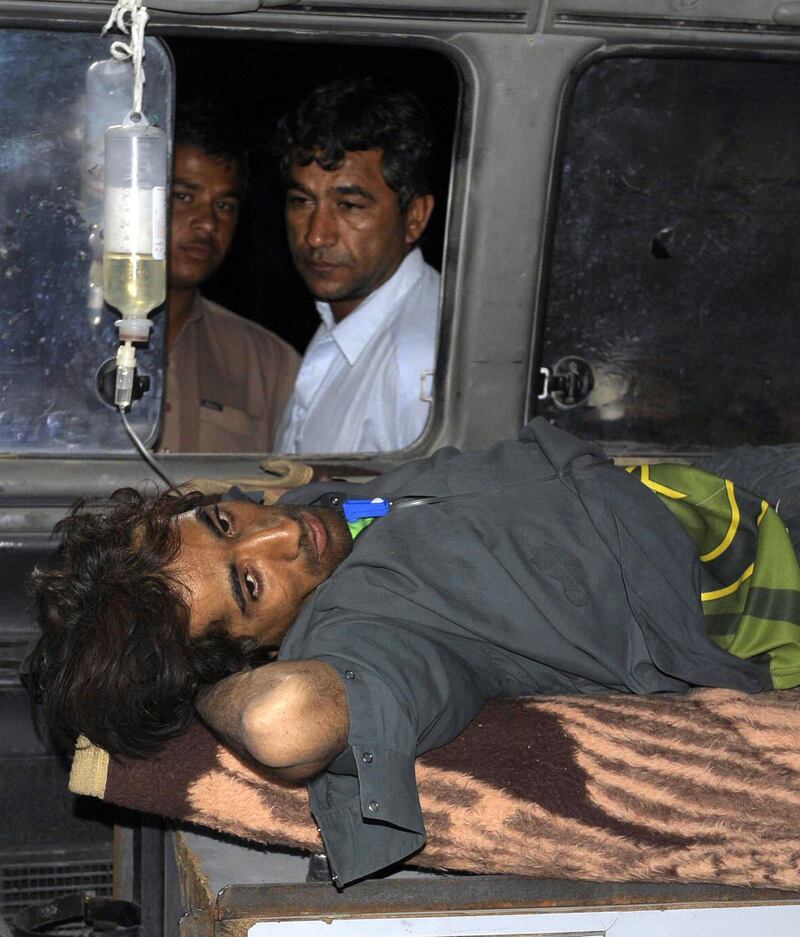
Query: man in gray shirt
535, 567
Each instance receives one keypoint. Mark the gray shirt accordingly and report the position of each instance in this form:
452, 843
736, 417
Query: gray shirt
539, 568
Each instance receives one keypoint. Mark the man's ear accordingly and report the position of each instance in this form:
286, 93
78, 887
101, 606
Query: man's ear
417, 217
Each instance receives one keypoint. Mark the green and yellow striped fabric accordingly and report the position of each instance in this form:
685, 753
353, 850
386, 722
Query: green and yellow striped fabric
355, 527
750, 576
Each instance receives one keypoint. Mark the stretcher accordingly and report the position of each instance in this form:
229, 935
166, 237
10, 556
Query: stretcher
703, 788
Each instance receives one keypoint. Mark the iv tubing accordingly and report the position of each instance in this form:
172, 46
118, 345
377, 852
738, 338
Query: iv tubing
142, 451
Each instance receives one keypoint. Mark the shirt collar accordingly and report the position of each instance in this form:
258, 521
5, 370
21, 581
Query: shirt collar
198, 308
355, 331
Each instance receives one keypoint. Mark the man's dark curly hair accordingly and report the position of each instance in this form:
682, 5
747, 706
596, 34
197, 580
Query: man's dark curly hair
115, 661
209, 129
346, 116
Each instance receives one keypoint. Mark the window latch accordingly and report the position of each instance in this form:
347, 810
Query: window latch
568, 383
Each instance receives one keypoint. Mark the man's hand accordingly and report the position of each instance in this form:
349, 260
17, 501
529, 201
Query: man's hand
290, 716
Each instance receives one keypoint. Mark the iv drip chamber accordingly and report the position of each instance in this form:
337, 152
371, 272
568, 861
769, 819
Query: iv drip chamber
134, 235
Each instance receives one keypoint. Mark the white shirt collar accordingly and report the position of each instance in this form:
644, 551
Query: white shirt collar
354, 332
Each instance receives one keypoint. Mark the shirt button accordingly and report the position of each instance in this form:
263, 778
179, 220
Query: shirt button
350, 674
367, 758
373, 806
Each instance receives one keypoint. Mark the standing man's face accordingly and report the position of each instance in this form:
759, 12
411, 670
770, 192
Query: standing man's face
206, 200
346, 231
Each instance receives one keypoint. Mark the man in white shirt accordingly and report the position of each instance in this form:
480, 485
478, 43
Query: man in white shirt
355, 161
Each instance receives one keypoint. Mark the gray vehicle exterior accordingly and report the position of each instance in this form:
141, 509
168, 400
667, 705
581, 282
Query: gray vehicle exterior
518, 63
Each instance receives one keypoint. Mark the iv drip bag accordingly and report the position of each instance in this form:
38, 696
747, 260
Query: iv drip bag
134, 229
134, 235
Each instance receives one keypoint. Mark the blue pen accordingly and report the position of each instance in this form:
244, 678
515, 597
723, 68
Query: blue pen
357, 508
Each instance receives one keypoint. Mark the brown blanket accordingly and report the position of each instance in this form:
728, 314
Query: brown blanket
703, 788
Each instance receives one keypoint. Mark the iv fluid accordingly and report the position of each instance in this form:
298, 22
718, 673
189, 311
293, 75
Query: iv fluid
134, 235
134, 264
109, 91
134, 283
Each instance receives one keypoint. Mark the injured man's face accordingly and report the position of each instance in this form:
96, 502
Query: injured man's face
248, 569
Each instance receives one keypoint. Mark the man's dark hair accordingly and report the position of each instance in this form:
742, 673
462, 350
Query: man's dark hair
210, 130
346, 116
115, 661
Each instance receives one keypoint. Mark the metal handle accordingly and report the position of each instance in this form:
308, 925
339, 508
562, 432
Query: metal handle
545, 393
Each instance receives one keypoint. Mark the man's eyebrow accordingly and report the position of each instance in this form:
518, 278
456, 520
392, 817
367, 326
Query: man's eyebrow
293, 183
236, 587
235, 191
354, 190
200, 514
186, 183
339, 190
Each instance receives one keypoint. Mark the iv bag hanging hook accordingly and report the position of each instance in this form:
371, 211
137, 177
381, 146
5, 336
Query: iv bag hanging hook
136, 13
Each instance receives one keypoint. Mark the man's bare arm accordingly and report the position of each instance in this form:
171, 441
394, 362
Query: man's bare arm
290, 716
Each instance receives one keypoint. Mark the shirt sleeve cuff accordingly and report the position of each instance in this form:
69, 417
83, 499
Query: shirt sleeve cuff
367, 806
371, 821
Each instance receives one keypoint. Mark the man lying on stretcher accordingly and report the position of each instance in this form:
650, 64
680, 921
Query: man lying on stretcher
535, 567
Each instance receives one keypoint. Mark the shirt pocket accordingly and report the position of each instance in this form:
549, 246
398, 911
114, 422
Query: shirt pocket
228, 429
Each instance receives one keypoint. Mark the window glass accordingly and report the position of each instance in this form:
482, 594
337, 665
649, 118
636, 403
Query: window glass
345, 386
57, 91
258, 279
57, 332
671, 311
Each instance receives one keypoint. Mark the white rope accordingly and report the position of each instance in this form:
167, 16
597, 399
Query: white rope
131, 12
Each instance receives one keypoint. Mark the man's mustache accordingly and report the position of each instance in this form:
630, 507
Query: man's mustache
320, 257
201, 242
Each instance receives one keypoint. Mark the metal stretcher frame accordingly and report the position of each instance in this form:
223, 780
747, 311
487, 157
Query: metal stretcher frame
237, 908
170, 889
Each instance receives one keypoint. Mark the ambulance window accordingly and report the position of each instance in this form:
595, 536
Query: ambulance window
58, 92
57, 332
255, 82
671, 313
